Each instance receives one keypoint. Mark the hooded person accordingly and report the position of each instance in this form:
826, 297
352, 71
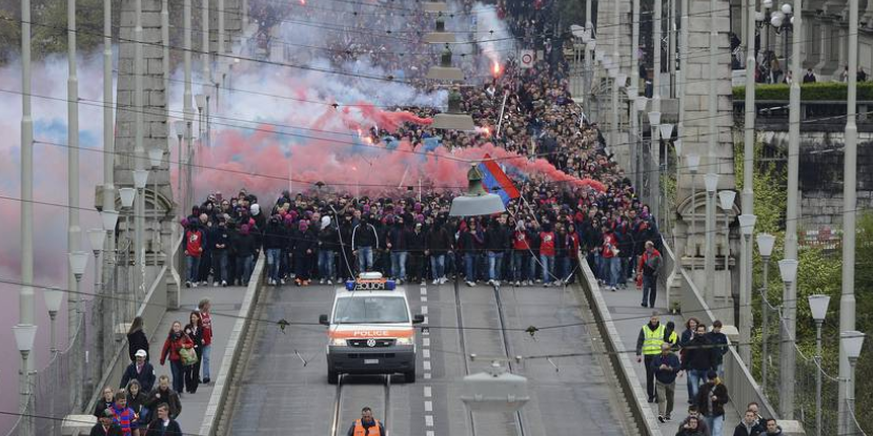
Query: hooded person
245, 244
260, 219
327, 247
305, 244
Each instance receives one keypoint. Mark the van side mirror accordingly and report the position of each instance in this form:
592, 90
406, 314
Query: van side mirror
322, 319
417, 319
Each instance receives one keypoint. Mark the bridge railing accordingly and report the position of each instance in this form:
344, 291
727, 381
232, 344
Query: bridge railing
815, 115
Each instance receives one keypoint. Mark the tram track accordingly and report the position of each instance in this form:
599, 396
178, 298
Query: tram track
345, 410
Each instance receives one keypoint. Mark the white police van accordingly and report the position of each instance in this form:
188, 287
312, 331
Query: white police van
371, 330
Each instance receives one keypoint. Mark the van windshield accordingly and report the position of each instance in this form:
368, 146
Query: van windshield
370, 310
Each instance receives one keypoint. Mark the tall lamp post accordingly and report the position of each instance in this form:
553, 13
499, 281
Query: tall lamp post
140, 179
96, 238
156, 156
711, 182
24, 336
78, 264
788, 270
180, 127
654, 154
53, 299
818, 305
109, 217
852, 341
128, 195
766, 242
747, 227
693, 162
666, 131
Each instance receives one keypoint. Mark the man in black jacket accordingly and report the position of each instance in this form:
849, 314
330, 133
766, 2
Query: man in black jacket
219, 242
496, 243
438, 243
106, 427
699, 359
141, 371
365, 240
415, 242
711, 399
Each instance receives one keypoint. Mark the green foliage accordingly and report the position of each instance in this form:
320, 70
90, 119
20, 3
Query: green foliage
769, 187
820, 91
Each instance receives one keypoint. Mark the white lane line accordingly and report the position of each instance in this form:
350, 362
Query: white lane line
428, 392
430, 433
428, 406
428, 420
425, 353
425, 319
427, 365
425, 342
427, 376
424, 298
423, 291
424, 310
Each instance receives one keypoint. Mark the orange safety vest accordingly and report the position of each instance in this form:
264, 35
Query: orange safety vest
360, 431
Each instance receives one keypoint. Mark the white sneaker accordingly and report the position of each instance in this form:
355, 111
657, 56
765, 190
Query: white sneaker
443, 280
204, 283
194, 285
224, 283
214, 284
282, 281
497, 283
517, 283
547, 284
470, 284
491, 282
329, 281
435, 282
320, 281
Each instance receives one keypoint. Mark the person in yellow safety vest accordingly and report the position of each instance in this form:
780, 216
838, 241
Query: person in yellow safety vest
671, 336
649, 345
367, 425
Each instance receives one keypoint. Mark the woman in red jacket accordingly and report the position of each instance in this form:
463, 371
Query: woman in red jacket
176, 340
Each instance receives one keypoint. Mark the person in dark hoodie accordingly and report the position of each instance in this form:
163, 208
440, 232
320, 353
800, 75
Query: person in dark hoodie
365, 241
219, 242
772, 429
471, 241
711, 398
245, 245
396, 235
438, 245
496, 243
562, 254
415, 242
328, 244
347, 256
699, 359
275, 238
305, 243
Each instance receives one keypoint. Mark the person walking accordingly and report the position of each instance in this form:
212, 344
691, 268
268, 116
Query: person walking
245, 245
219, 241
415, 242
105, 426
439, 245
649, 268
748, 426
719, 343
365, 239
711, 399
141, 370
176, 341
136, 339
684, 340
649, 346
274, 239
693, 413
105, 402
124, 416
136, 400
396, 236
547, 253
165, 394
205, 306
699, 360
193, 251
327, 246
772, 428
666, 367
367, 425
164, 425
496, 242
194, 331
610, 253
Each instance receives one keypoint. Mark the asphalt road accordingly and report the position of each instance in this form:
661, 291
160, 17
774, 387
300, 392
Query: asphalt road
569, 396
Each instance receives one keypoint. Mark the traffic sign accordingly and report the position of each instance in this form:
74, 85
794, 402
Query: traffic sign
527, 58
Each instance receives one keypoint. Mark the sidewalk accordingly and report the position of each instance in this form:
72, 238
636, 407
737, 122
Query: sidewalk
225, 301
629, 317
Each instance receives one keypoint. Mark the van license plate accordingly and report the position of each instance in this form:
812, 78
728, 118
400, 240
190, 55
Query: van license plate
371, 361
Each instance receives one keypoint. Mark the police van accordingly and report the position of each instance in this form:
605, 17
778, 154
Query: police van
370, 329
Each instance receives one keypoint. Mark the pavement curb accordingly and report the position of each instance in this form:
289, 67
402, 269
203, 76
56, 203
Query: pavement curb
233, 352
643, 416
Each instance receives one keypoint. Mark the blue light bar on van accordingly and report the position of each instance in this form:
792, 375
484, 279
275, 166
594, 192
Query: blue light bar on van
371, 285
390, 285
350, 285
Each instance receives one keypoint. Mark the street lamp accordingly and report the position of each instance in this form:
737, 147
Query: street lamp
788, 270
747, 227
710, 180
110, 219
853, 341
780, 20
693, 161
200, 101
654, 157
818, 305
53, 298
24, 336
181, 128
766, 242
640, 103
477, 201
78, 263
156, 156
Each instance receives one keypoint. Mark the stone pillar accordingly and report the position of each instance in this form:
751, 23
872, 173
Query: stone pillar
695, 140
160, 207
606, 27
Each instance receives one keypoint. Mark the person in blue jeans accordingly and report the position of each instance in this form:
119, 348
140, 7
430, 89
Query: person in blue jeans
711, 398
472, 240
275, 238
364, 238
193, 251
699, 359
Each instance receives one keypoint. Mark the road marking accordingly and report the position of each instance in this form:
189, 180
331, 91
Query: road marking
426, 354
427, 376
427, 365
428, 406
425, 319
424, 298
424, 310
430, 433
427, 392
428, 420
423, 291
425, 342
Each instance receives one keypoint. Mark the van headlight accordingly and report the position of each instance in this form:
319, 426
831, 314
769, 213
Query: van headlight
338, 342
404, 341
